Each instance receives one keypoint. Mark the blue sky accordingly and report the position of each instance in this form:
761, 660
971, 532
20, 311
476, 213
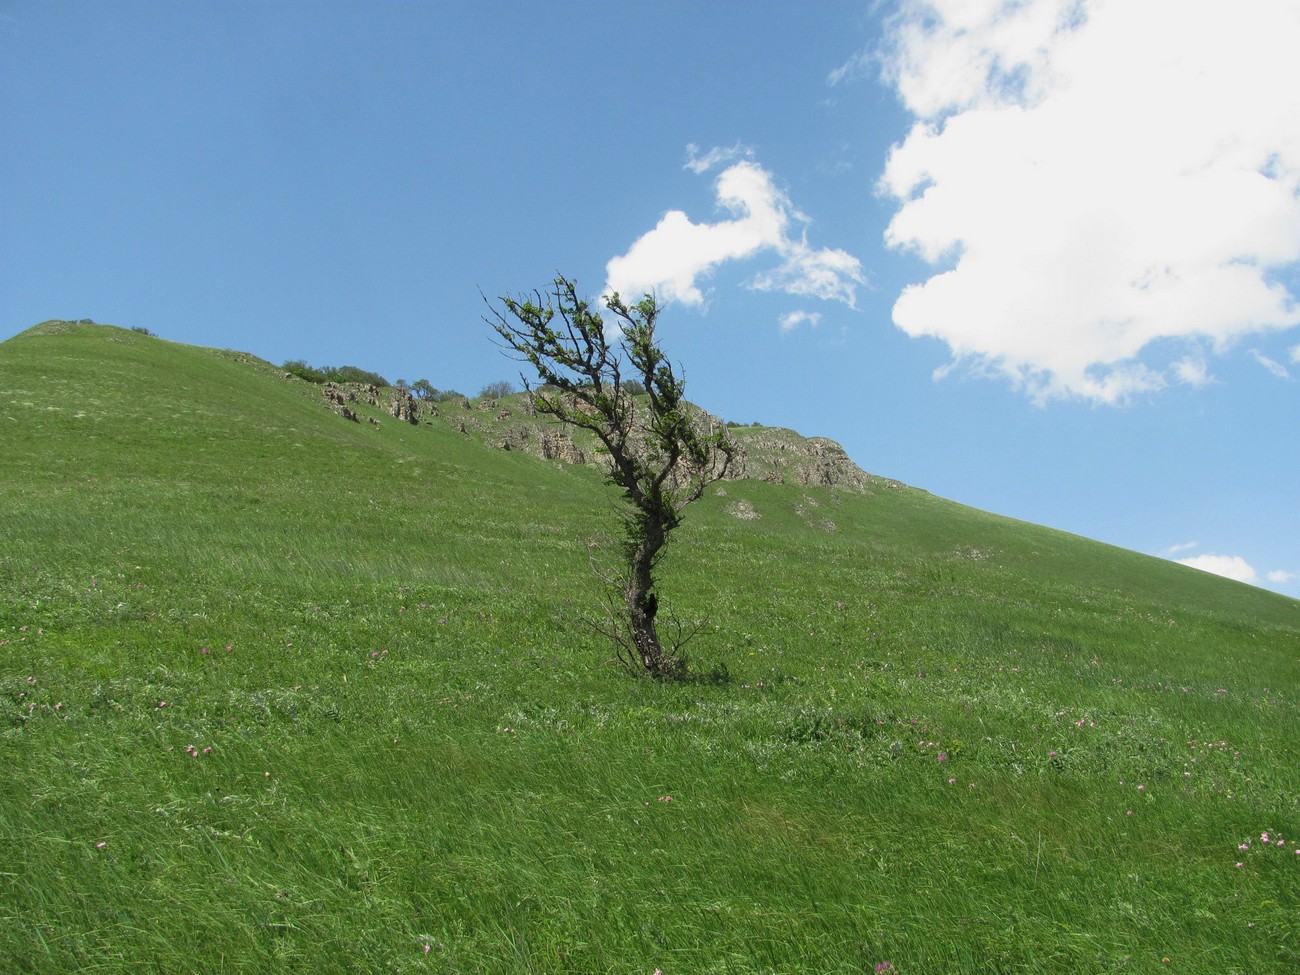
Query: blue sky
1042, 258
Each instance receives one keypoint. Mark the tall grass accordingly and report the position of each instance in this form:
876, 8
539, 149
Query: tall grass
283, 693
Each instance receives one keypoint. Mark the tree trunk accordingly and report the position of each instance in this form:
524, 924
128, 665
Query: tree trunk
643, 604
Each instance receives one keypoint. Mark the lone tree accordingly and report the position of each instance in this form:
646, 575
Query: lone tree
657, 454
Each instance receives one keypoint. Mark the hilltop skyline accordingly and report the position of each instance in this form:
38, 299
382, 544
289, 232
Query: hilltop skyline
1042, 258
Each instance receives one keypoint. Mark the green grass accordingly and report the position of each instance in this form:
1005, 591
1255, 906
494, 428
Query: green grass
283, 693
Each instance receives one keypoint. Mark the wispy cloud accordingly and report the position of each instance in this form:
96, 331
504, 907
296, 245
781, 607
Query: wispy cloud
1101, 185
1229, 566
793, 319
1182, 547
1280, 575
859, 65
701, 163
672, 258
1272, 365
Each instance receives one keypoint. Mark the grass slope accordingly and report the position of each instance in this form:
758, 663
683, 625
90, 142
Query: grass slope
282, 693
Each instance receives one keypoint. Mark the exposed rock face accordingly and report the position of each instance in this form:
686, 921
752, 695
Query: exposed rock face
340, 395
770, 454
402, 405
783, 457
559, 446
351, 393
763, 453
548, 443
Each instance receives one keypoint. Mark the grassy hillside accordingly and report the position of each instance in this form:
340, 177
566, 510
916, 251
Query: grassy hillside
284, 693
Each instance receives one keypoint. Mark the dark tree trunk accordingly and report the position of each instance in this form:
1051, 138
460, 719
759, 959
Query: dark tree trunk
643, 604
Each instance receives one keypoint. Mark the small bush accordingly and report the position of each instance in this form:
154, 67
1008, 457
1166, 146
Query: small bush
299, 368
352, 374
331, 374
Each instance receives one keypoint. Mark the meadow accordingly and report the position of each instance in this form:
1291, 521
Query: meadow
284, 693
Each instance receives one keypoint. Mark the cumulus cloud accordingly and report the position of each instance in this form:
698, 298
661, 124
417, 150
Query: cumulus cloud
1191, 370
793, 319
1229, 566
1280, 575
672, 258
1105, 187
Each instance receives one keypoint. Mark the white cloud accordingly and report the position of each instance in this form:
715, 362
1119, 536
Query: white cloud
1100, 183
1279, 575
855, 67
1182, 547
697, 163
670, 259
1191, 370
1295, 354
827, 274
793, 319
1230, 566
1272, 365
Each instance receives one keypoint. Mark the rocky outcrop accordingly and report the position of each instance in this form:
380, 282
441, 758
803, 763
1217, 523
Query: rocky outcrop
783, 457
351, 393
402, 405
559, 446
341, 397
546, 442
772, 454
